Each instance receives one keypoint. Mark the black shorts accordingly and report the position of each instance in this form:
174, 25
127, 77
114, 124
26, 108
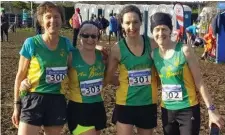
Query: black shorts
43, 109
141, 116
181, 122
86, 114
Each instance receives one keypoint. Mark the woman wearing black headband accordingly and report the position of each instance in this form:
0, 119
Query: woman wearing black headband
181, 82
136, 95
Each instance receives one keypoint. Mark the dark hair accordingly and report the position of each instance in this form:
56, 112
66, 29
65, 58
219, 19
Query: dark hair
161, 18
129, 8
93, 23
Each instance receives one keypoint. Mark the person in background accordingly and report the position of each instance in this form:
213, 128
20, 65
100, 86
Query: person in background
4, 26
112, 26
76, 22
98, 21
105, 24
37, 25
210, 44
120, 30
191, 34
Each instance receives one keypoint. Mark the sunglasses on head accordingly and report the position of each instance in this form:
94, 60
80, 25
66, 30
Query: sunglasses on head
88, 35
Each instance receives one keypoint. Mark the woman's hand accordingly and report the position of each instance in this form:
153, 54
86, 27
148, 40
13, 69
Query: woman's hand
216, 118
16, 115
25, 85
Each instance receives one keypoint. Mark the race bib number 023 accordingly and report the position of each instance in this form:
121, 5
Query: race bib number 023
91, 87
139, 77
55, 74
172, 93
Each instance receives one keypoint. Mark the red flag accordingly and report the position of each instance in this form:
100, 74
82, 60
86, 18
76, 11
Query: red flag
179, 12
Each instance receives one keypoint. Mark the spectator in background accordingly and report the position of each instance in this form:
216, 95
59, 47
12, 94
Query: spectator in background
76, 22
38, 28
92, 17
25, 18
193, 29
105, 24
4, 26
191, 33
210, 44
37, 25
120, 30
112, 26
98, 21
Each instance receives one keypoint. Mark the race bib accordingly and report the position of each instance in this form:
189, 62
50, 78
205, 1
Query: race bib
55, 74
172, 93
139, 77
91, 87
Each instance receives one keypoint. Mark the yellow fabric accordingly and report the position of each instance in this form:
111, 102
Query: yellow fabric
154, 85
121, 93
81, 129
34, 73
70, 22
190, 85
73, 92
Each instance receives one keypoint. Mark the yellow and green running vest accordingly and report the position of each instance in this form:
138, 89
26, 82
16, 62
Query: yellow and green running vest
48, 67
137, 77
85, 81
178, 87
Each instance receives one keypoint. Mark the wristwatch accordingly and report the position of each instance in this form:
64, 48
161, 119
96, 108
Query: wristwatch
211, 107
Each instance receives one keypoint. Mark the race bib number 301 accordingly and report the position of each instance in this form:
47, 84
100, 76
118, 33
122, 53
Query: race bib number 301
139, 77
91, 87
172, 93
55, 74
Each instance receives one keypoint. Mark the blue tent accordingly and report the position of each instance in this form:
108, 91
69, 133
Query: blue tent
220, 49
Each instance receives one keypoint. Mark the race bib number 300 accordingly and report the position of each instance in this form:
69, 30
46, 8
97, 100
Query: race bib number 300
91, 87
55, 74
172, 93
139, 77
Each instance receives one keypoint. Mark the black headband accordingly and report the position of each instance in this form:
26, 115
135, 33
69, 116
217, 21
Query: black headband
161, 19
93, 23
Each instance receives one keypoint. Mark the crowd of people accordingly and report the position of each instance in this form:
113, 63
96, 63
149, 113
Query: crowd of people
113, 24
196, 38
52, 71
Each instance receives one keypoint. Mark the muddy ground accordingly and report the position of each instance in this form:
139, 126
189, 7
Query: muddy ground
213, 75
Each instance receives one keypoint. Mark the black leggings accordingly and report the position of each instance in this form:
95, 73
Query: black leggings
75, 35
4, 30
110, 33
